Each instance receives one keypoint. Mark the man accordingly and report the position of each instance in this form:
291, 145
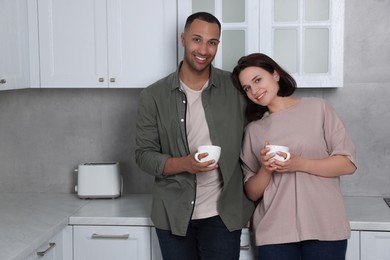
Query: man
198, 210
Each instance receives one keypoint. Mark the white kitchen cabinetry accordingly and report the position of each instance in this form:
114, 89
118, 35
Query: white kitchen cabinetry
375, 245
353, 249
248, 250
305, 37
155, 247
59, 247
111, 242
105, 43
14, 45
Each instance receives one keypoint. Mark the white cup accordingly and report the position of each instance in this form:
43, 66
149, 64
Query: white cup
214, 152
279, 148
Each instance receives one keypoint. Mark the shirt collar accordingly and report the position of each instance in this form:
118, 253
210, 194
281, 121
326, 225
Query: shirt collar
212, 78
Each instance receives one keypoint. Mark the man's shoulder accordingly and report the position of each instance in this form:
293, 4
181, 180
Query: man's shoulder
220, 73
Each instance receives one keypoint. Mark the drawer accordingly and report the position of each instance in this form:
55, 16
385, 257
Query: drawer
111, 242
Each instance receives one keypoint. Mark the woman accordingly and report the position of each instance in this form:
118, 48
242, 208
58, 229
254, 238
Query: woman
300, 212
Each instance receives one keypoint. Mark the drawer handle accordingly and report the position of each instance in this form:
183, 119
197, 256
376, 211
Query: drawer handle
245, 247
104, 236
43, 253
3, 81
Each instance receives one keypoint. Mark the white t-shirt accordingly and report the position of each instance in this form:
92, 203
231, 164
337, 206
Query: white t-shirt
209, 184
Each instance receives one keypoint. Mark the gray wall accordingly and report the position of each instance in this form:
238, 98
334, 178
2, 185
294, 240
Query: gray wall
46, 133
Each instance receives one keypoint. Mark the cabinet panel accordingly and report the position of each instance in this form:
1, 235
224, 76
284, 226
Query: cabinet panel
155, 247
248, 249
72, 43
101, 43
141, 41
353, 249
375, 245
14, 62
56, 248
111, 242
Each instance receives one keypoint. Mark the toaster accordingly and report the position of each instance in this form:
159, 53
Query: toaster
98, 180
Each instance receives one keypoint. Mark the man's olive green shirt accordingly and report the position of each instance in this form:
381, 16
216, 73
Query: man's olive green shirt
161, 134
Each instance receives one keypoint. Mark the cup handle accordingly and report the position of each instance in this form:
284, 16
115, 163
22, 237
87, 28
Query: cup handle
288, 156
196, 157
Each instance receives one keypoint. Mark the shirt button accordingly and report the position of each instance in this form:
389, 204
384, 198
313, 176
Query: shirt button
192, 202
184, 101
182, 120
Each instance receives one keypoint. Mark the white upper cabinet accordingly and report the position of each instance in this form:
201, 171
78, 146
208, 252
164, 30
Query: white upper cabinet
105, 43
141, 41
306, 37
14, 59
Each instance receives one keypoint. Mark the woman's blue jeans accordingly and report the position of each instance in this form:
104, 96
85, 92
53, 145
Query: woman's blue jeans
304, 250
206, 239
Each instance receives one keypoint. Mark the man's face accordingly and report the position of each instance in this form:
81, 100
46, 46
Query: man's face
200, 43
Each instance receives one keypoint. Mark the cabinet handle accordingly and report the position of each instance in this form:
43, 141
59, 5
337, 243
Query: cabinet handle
112, 79
101, 79
104, 236
43, 253
245, 247
3, 81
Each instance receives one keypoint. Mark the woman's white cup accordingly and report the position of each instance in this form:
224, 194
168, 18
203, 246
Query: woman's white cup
214, 152
279, 148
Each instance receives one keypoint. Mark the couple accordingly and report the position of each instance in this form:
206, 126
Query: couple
198, 210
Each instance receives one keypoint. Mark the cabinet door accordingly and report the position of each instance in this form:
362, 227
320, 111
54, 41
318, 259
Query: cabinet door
72, 43
374, 245
14, 62
155, 247
248, 250
141, 41
111, 242
56, 248
353, 249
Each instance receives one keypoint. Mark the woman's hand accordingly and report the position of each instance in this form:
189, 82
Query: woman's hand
291, 165
267, 160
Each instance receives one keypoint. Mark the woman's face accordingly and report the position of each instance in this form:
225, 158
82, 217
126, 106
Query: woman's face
259, 85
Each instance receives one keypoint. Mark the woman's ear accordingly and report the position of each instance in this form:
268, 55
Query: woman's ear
276, 75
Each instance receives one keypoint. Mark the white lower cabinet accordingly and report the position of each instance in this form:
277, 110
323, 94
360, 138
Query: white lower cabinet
111, 242
156, 252
353, 249
248, 250
374, 245
59, 247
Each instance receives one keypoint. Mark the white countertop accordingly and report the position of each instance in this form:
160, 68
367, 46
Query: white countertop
27, 220
129, 210
368, 213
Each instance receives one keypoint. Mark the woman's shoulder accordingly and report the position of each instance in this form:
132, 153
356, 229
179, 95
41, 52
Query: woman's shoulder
256, 126
314, 102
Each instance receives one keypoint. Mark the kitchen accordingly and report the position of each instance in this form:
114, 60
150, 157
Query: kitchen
46, 133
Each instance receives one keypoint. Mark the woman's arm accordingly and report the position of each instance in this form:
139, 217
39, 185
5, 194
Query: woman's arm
332, 166
256, 185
